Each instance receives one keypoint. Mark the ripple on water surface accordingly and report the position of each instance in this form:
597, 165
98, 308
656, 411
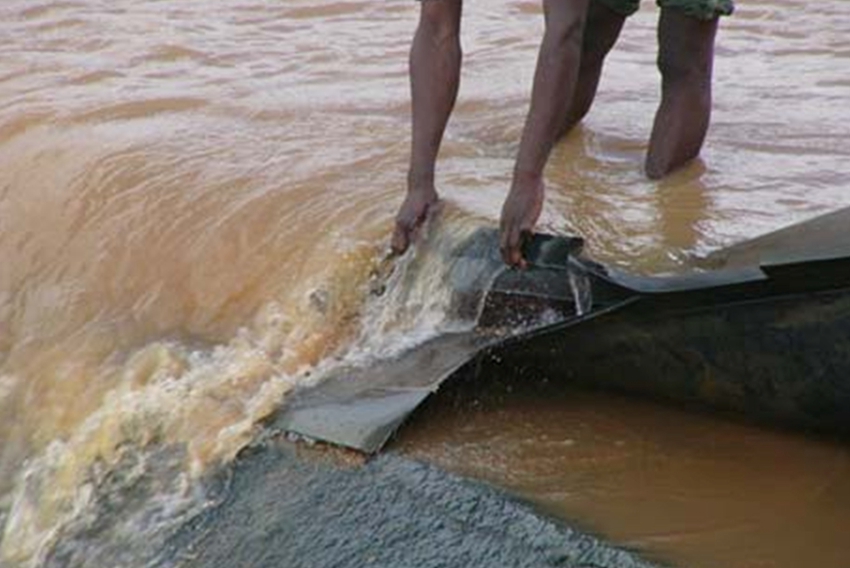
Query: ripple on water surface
176, 183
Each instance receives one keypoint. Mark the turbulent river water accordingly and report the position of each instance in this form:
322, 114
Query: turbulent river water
193, 197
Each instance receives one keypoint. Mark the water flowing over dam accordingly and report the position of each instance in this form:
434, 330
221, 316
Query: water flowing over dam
195, 210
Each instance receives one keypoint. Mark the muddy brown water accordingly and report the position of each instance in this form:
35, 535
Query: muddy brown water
192, 201
685, 488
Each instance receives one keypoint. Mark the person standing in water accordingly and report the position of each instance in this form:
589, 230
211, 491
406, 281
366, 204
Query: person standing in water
578, 35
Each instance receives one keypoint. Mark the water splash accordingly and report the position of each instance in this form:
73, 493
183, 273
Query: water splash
580, 286
416, 303
136, 467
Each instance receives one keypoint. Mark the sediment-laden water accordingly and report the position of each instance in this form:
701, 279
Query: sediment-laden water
194, 200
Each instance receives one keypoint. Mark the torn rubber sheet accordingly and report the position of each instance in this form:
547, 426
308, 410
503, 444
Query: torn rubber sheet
763, 330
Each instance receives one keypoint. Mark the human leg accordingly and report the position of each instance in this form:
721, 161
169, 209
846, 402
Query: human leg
601, 31
685, 60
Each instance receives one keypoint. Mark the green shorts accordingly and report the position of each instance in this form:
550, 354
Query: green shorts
700, 9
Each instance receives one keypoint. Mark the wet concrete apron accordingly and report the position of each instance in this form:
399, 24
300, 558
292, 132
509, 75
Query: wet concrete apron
289, 505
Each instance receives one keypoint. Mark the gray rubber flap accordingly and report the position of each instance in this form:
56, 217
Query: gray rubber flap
361, 407
823, 238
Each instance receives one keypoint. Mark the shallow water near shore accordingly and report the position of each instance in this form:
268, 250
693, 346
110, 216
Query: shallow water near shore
682, 487
194, 201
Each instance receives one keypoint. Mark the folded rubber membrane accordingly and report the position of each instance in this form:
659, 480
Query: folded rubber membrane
761, 328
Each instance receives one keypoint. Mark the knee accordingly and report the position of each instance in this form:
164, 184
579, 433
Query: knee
565, 29
439, 21
595, 49
683, 67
